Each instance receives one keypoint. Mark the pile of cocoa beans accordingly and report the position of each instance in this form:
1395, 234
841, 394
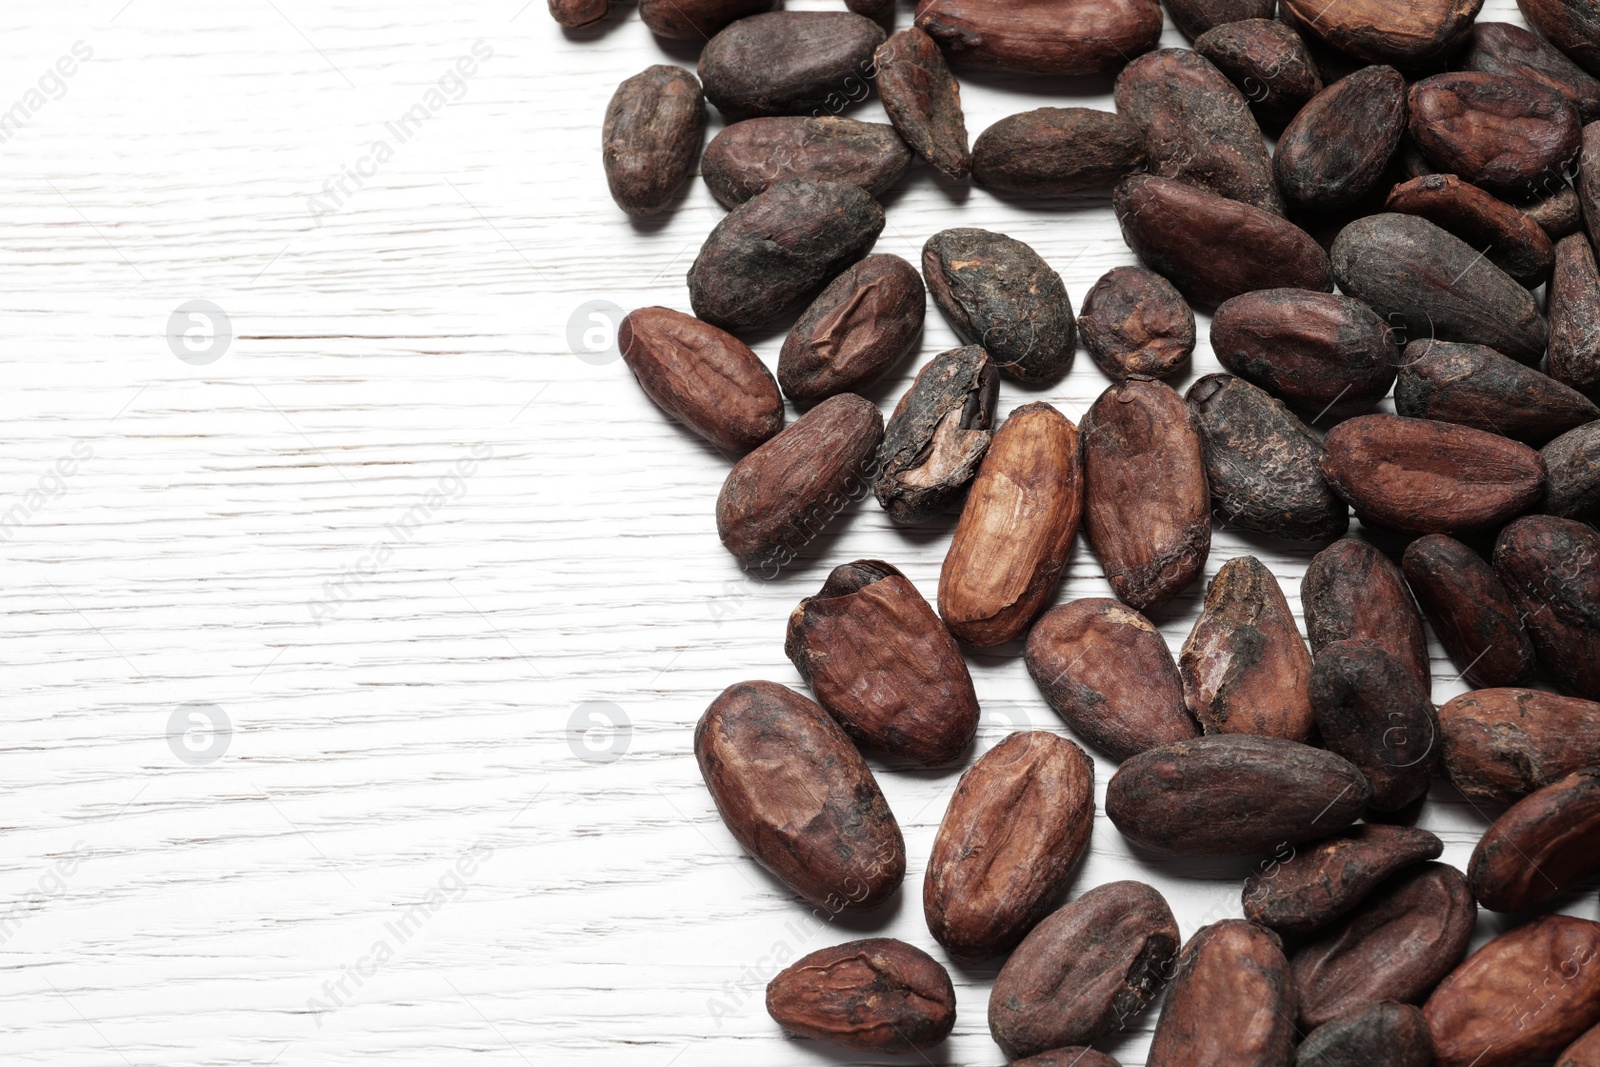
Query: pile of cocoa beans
1428, 177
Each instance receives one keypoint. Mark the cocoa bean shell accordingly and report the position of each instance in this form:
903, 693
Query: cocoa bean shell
1084, 971
798, 797
1511, 239
1016, 528
1233, 794
1551, 568
1471, 385
654, 125
1371, 710
1395, 1035
1500, 132
1135, 322
1353, 592
790, 63
1573, 28
1470, 610
937, 436
1015, 828
1230, 1001
1108, 673
1042, 36
1409, 36
873, 995
1502, 744
1423, 476
923, 101
1056, 151
1574, 298
1555, 208
1338, 146
747, 157
1543, 844
1196, 17
1572, 473
779, 497
1268, 62
1313, 349
855, 331
1511, 51
706, 379
695, 20
1146, 503
1318, 884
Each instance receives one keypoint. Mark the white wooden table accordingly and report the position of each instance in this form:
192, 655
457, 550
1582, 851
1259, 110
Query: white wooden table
395, 536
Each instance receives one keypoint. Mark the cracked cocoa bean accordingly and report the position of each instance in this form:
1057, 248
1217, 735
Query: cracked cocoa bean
1409, 36
1574, 296
1353, 592
1511, 51
924, 102
855, 331
790, 63
1315, 350
1502, 133
1511, 239
1547, 842
937, 436
1231, 1002
1471, 385
1268, 62
1551, 568
1338, 146
696, 20
1572, 473
1056, 151
1502, 744
1395, 1035
1314, 886
750, 156
873, 995
1371, 710
1470, 611
1042, 36
653, 129
1134, 322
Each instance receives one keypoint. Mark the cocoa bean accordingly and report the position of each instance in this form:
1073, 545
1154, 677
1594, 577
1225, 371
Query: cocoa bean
1352, 592
1542, 845
1572, 473
1371, 710
1470, 611
1245, 666
1016, 827
1261, 463
1430, 477
999, 293
1408, 36
706, 379
1071, 1056
873, 995
862, 324
1511, 51
1107, 672
798, 797
1016, 529
1586, 181
1233, 794
1056, 151
1268, 62
1211, 247
1395, 946
1134, 322
1395, 1035
1312, 349
924, 102
790, 63
1231, 1002
1195, 17
579, 14
1551, 568
883, 664
1524, 996
1042, 36
937, 436
653, 129
1316, 885
1416, 275
1502, 744
1511, 239
695, 20
1147, 508
779, 497
1575, 315
1573, 28
1197, 127
1471, 385
780, 247
1336, 149
1084, 971
1584, 1052
750, 156
1555, 209
1499, 132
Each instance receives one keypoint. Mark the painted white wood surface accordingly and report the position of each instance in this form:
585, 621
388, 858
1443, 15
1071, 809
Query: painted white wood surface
508, 532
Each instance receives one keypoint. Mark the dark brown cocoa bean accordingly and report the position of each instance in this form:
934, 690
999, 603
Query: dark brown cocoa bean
1314, 350
1071, 1056
1134, 321
1573, 28
1316, 885
1085, 971
1197, 127
1470, 611
695, 20
873, 995
1338, 146
1502, 744
1147, 507
779, 497
924, 102
1268, 62
882, 663
1016, 827
798, 797
579, 14
1231, 1002
1408, 36
937, 436
1353, 592
999, 293
873, 9
1107, 671
1245, 666
1056, 151
1511, 239
1586, 182
1261, 463
749, 156
1575, 315
1511, 51
653, 129
1196, 17
1233, 794
1544, 844
1584, 1052
1015, 530
862, 324
780, 247
1551, 568
1502, 133
790, 63
1476, 386
1042, 36
1395, 1035
706, 379
1522, 997
1371, 710
1430, 477
1395, 946
1415, 275
1556, 210
1572, 473
1213, 248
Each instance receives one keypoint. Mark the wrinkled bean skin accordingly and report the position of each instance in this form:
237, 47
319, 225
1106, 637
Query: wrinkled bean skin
1395, 1035
1555, 208
1470, 611
1551, 568
1572, 474
1196, 17
1514, 241
651, 139
1572, 27
938, 435
1042, 36
924, 102
1335, 150
1057, 151
1268, 62
865, 322
1312, 349
695, 20
1318, 883
873, 995
1371, 710
1575, 315
1505, 49
1499, 132
1471, 385
748, 157
1502, 744
1353, 592
1230, 1003
790, 63
1542, 845
1405, 35
1135, 322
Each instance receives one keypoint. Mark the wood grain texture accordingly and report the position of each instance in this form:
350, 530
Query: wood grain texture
410, 735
